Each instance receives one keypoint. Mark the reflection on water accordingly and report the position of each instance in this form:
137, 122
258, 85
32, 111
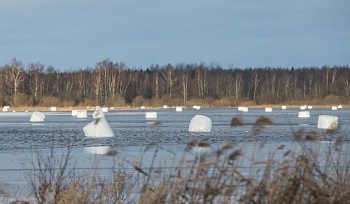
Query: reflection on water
97, 150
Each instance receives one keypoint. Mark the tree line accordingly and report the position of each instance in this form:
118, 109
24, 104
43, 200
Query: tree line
114, 84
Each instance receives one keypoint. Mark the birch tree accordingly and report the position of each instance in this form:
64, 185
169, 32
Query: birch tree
202, 82
14, 76
238, 84
346, 82
333, 80
36, 80
286, 83
96, 84
256, 81
170, 79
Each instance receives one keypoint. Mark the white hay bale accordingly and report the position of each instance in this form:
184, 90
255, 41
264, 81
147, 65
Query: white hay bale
82, 114
309, 107
53, 108
165, 106
284, 107
303, 107
200, 123
268, 109
242, 109
37, 117
142, 107
196, 107
5, 109
97, 150
98, 113
178, 109
151, 115
304, 114
334, 108
98, 128
340, 106
74, 112
327, 122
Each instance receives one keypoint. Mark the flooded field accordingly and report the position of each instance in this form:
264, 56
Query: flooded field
131, 128
20, 139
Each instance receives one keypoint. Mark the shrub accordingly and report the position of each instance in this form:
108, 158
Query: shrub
49, 101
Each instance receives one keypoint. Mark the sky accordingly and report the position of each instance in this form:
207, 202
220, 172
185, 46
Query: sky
74, 34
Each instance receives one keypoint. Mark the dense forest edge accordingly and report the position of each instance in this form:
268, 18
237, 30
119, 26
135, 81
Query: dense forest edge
114, 84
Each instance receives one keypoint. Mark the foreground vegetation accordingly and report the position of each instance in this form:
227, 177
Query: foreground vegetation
303, 174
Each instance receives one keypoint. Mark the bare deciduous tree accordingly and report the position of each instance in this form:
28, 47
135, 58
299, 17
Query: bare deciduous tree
256, 81
14, 76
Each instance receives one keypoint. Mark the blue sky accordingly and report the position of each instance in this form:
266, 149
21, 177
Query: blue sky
72, 34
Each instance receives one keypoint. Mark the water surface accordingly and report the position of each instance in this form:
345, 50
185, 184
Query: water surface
131, 128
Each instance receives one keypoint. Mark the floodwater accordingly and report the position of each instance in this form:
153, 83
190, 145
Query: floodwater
131, 128
20, 139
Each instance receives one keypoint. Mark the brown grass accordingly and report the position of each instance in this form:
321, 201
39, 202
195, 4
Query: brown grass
295, 176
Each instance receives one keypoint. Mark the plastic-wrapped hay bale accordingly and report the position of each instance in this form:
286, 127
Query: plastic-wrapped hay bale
37, 117
53, 108
5, 108
196, 107
98, 113
74, 112
81, 114
151, 115
178, 109
268, 109
327, 122
200, 123
98, 128
334, 108
304, 114
284, 107
242, 109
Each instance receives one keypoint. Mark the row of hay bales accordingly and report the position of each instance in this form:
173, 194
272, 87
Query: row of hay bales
269, 109
177, 108
323, 122
199, 123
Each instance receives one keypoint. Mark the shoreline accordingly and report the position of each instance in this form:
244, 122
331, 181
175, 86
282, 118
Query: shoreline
91, 108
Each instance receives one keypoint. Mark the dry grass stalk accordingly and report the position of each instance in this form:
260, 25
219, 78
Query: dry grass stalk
202, 176
236, 121
260, 123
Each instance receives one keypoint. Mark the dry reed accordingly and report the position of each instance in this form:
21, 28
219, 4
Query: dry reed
205, 176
